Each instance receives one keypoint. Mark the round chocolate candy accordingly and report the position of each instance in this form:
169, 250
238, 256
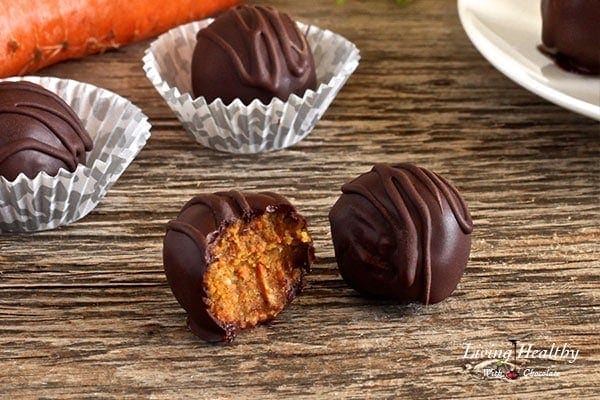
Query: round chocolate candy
571, 34
401, 232
234, 260
38, 132
252, 52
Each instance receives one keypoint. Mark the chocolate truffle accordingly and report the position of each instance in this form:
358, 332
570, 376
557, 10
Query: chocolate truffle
401, 232
234, 260
571, 34
252, 52
38, 132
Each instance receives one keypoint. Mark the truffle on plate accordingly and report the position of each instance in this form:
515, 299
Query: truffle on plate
235, 260
401, 232
38, 132
571, 34
252, 52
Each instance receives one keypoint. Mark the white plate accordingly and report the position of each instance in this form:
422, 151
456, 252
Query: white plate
507, 33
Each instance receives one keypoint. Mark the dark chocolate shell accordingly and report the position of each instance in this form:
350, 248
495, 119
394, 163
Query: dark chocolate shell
252, 52
38, 132
187, 251
401, 232
571, 34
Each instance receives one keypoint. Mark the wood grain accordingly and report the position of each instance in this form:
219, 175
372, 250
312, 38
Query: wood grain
85, 311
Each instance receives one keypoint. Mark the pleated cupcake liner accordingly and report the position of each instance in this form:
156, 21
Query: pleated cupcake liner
119, 130
257, 127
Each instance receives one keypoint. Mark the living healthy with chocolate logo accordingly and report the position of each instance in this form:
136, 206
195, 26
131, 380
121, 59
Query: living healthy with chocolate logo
518, 359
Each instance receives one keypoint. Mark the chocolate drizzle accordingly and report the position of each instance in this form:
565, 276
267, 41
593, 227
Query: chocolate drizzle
226, 208
265, 28
412, 202
35, 119
263, 48
32, 144
188, 244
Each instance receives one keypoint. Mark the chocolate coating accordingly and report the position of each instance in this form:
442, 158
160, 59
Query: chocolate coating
252, 52
38, 132
187, 251
571, 34
401, 232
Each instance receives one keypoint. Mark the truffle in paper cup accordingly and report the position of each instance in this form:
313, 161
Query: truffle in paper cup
119, 131
257, 127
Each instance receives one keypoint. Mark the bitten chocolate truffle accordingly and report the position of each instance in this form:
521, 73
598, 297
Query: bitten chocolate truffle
38, 132
401, 232
236, 259
252, 52
571, 34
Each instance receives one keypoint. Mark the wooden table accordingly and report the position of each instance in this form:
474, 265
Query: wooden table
85, 310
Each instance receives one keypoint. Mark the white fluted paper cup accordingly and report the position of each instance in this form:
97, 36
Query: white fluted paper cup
119, 130
257, 127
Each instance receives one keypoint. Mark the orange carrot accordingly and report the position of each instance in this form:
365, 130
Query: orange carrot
37, 33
